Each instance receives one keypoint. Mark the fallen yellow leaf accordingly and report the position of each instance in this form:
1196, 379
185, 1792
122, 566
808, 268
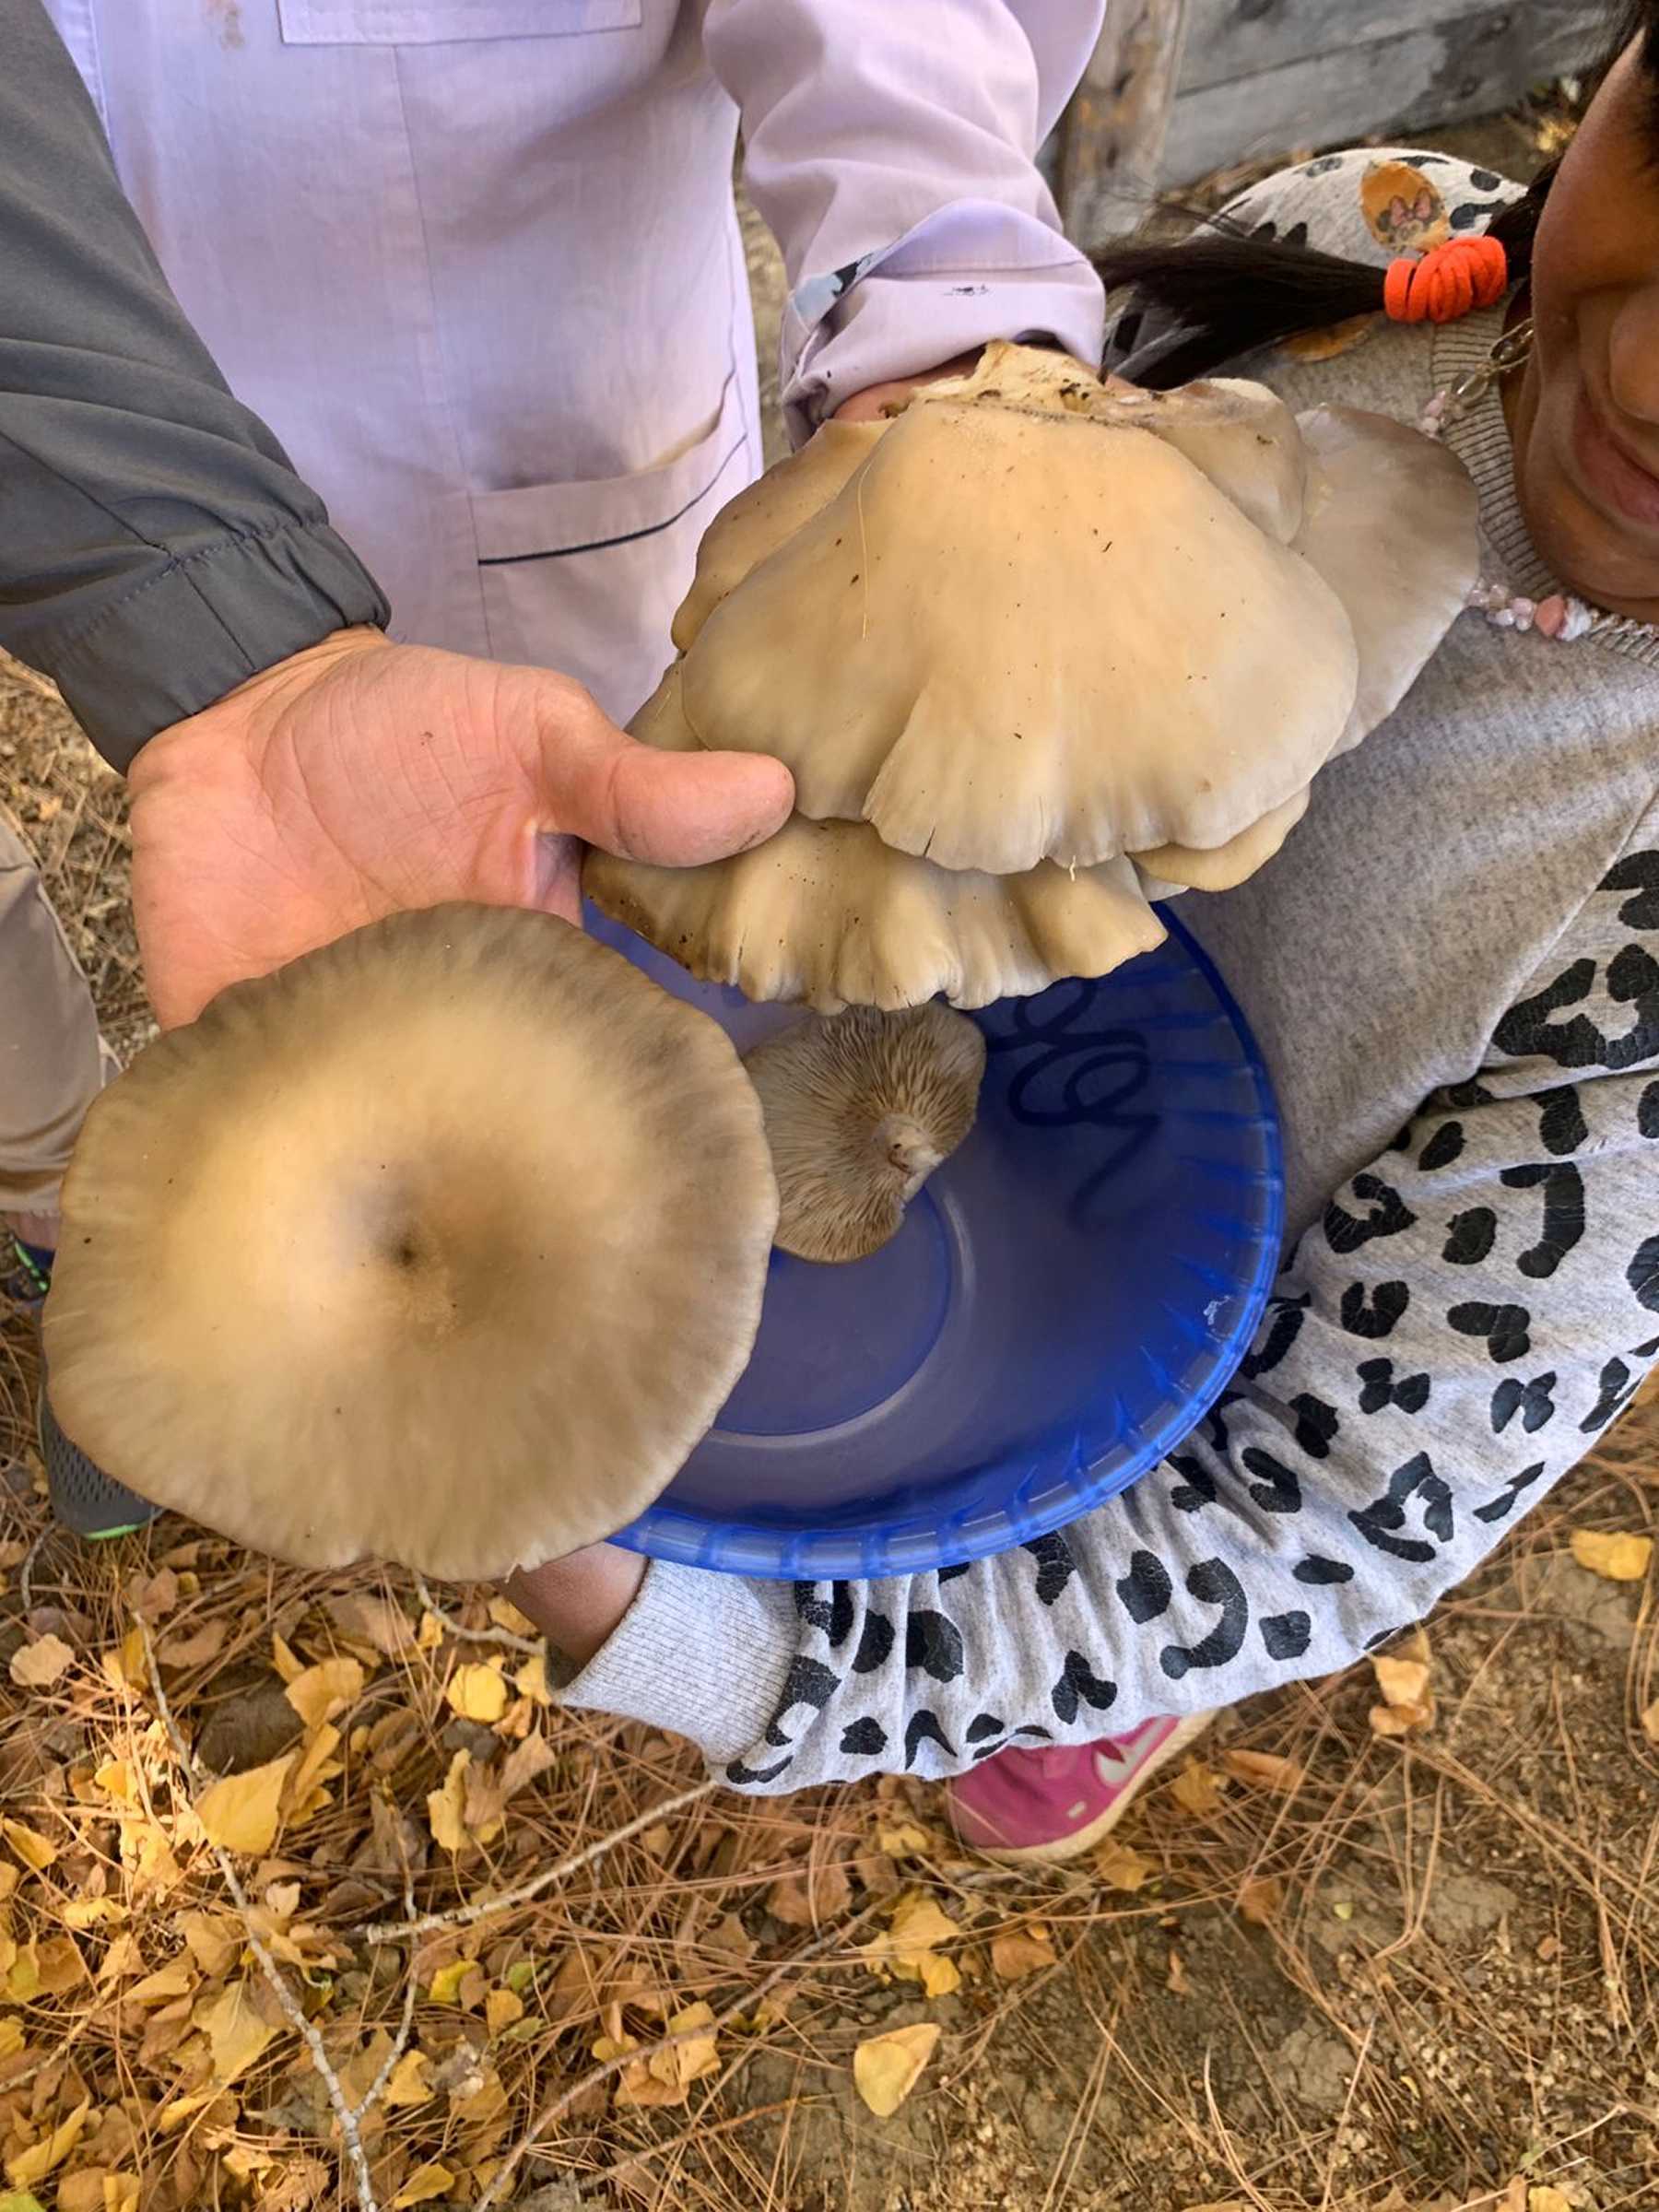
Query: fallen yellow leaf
1544, 2199
322, 1692
1121, 1868
240, 1813
214, 1940
445, 1806
907, 1950
1402, 1681
506, 1615
409, 2081
162, 1987
501, 2008
1261, 1898
1196, 1789
11, 2035
1649, 1722
39, 1664
1622, 1558
83, 1912
125, 1668
236, 2035
20, 2200
531, 1681
425, 2184
886, 2067
177, 2110
477, 1693
46, 2156
682, 2064
903, 1839
32, 1848
121, 2193
446, 1983
285, 1661
1400, 1720
116, 1777
1263, 1770
1018, 1953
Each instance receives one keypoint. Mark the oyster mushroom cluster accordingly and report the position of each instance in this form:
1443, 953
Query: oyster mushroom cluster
1038, 650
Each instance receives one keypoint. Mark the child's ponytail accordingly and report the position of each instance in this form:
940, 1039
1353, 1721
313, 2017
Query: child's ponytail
1226, 293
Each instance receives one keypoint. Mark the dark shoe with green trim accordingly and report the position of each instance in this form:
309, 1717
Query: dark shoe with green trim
86, 1500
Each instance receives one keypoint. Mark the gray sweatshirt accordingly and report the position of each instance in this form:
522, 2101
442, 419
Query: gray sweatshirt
155, 547
1452, 969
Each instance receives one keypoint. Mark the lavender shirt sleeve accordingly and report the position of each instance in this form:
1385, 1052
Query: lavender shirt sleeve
892, 150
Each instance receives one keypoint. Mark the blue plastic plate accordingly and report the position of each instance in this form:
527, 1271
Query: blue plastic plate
1067, 1297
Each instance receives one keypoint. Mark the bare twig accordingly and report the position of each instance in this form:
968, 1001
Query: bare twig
273, 1973
462, 1916
534, 1645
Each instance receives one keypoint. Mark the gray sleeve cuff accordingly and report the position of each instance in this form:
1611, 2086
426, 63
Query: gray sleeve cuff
238, 605
701, 1655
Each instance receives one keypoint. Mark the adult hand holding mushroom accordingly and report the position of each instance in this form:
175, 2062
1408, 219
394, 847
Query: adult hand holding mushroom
360, 777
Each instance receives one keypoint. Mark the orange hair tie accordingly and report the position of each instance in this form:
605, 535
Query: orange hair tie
1448, 281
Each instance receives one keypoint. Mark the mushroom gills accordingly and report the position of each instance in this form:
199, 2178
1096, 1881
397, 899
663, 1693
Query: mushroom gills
860, 1108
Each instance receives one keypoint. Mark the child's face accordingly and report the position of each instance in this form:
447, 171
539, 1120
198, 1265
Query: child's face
1584, 420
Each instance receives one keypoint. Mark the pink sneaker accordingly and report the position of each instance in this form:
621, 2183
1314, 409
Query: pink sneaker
1052, 1805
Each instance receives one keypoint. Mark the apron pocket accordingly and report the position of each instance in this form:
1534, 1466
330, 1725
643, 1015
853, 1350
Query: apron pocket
439, 22
584, 578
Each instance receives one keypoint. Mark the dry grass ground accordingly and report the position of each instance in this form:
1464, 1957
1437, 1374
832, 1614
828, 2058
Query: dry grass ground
1322, 1969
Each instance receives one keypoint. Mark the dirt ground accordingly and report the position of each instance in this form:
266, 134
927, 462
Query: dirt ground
1323, 1968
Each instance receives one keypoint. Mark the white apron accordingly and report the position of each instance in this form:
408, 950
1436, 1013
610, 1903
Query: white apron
476, 263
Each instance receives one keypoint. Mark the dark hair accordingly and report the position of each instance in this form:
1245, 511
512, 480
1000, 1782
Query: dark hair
1227, 293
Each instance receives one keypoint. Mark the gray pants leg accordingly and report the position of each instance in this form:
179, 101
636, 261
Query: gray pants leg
51, 1061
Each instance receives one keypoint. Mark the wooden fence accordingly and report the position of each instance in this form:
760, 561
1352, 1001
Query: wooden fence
1179, 88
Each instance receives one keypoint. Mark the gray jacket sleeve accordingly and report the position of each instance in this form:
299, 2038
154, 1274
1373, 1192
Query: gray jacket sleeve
155, 547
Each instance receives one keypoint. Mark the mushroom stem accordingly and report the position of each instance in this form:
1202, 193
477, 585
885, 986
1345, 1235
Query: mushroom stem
904, 1143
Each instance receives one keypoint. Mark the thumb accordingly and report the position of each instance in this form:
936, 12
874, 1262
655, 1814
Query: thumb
674, 810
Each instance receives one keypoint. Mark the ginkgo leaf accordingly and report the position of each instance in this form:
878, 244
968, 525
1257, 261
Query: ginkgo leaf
39, 1664
502, 2009
1621, 1559
477, 1693
320, 1693
242, 1812
531, 1681
20, 2200
886, 2067
424, 2184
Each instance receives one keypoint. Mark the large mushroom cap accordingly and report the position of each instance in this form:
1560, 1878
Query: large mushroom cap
767, 511
1019, 633
859, 1113
825, 913
1391, 521
444, 1244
